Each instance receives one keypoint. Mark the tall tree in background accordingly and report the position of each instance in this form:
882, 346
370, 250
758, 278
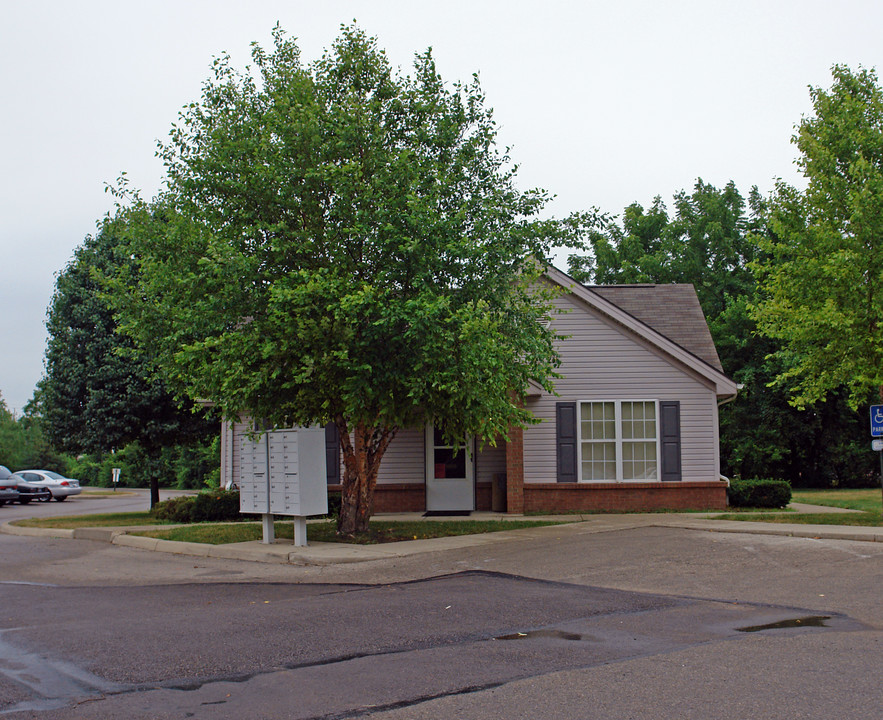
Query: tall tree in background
23, 443
338, 243
97, 394
822, 279
710, 240
704, 243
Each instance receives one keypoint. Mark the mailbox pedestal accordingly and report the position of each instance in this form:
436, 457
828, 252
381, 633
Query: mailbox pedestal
282, 472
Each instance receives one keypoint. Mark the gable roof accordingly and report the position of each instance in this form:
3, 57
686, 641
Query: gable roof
673, 310
667, 316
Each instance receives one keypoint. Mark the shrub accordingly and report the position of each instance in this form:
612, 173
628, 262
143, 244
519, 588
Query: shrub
216, 506
211, 506
176, 509
759, 492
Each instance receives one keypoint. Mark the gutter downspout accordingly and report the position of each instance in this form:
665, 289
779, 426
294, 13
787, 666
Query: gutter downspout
720, 404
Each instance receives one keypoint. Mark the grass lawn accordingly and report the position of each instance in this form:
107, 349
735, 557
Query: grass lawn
98, 520
864, 500
868, 502
381, 531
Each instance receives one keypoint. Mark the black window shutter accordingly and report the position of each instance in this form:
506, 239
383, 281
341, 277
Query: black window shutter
566, 439
332, 454
670, 437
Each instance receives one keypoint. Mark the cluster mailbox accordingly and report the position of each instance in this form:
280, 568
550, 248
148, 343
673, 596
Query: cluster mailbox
282, 472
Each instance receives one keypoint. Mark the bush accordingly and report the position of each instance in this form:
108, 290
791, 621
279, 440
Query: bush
216, 506
176, 509
211, 506
759, 492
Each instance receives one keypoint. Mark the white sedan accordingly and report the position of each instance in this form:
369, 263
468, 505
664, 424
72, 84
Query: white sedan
60, 486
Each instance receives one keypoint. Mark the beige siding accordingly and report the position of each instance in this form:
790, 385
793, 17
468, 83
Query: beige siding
603, 361
404, 460
490, 461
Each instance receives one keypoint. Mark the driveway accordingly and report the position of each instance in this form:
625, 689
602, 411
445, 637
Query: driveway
566, 622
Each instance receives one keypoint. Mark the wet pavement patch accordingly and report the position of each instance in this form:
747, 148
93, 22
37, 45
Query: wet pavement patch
559, 634
801, 622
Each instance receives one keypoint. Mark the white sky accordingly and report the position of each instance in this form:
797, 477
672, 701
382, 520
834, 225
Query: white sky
603, 103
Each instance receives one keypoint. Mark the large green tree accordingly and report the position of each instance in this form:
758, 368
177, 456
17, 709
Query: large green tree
98, 393
710, 239
341, 243
704, 242
822, 279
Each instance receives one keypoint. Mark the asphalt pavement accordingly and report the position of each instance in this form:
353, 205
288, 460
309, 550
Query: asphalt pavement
645, 616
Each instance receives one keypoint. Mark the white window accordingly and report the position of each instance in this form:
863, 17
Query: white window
619, 441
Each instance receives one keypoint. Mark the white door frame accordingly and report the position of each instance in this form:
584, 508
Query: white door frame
449, 494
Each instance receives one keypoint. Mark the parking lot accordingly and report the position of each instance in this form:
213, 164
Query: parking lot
582, 620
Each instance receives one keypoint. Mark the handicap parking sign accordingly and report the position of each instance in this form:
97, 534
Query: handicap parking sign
876, 420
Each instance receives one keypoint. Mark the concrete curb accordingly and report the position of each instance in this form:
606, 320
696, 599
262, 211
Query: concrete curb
322, 554
8, 529
816, 532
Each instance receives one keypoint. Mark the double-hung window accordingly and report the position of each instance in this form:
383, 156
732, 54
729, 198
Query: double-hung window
619, 440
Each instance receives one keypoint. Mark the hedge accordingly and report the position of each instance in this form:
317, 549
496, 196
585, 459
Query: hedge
215, 506
210, 506
759, 492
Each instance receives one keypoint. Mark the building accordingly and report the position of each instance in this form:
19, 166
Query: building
633, 426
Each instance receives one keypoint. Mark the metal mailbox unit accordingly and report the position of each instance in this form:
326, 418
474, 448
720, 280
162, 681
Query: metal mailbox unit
282, 472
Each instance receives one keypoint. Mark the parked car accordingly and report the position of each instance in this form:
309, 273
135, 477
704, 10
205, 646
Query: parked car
8, 486
28, 491
60, 486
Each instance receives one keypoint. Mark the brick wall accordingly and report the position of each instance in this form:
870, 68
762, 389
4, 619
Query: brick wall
569, 497
396, 497
624, 497
515, 471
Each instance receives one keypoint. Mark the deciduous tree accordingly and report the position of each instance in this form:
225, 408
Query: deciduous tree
822, 279
710, 240
98, 394
341, 243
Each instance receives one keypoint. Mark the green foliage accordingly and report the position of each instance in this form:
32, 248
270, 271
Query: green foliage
216, 506
23, 444
711, 241
337, 242
705, 243
192, 466
823, 272
209, 506
762, 493
100, 393
176, 509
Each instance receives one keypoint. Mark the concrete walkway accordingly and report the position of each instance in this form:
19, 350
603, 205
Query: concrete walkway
318, 554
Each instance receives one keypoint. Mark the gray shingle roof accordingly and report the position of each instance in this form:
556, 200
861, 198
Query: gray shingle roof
671, 310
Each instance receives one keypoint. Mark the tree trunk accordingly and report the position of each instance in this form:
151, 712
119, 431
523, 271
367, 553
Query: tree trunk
361, 460
154, 491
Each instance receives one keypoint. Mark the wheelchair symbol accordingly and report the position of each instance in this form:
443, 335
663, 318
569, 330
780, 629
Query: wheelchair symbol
878, 416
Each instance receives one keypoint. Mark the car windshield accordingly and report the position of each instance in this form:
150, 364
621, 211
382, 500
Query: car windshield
54, 475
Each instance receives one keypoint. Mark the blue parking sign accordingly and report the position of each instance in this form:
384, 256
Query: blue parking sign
876, 420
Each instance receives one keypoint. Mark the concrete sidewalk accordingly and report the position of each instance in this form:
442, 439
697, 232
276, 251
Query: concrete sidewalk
319, 554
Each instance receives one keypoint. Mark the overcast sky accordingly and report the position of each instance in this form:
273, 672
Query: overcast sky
603, 103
